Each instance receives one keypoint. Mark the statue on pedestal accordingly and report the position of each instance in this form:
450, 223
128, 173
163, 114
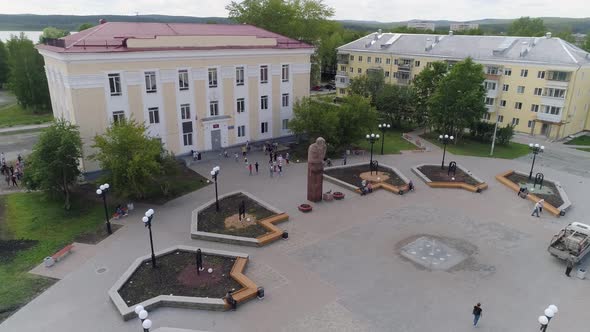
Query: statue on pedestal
315, 169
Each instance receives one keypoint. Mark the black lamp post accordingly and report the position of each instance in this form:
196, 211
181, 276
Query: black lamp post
214, 174
546, 318
372, 138
536, 149
445, 139
383, 127
146, 324
102, 191
147, 220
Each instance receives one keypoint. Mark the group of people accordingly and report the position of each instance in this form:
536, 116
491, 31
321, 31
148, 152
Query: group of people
12, 173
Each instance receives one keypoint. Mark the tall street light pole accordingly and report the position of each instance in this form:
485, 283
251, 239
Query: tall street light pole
372, 138
536, 149
147, 220
102, 191
383, 127
214, 174
445, 139
494, 137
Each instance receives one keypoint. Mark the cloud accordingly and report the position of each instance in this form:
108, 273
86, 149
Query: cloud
369, 10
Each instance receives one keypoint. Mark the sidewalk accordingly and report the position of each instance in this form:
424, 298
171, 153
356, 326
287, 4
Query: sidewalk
9, 130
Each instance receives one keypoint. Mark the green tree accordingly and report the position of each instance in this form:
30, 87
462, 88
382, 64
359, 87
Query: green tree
27, 78
368, 85
53, 164
133, 159
527, 27
314, 119
356, 117
458, 100
305, 20
396, 103
586, 45
566, 35
52, 33
3, 64
85, 26
424, 85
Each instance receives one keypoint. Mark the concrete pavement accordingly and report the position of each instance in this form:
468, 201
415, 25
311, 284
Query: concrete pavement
341, 268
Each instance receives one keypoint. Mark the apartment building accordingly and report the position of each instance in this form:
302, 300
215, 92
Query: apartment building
195, 86
464, 26
421, 25
541, 85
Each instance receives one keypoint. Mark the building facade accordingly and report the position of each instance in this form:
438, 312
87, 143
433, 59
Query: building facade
539, 85
195, 86
464, 26
421, 25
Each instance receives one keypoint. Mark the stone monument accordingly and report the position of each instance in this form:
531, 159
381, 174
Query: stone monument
315, 169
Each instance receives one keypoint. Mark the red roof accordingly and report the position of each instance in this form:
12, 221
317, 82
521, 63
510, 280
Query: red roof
112, 37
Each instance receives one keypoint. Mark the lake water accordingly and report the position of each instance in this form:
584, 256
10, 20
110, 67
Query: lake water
32, 35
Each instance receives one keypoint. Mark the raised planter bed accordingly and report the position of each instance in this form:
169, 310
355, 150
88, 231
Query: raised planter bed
435, 177
175, 282
256, 229
338, 195
305, 208
351, 177
556, 199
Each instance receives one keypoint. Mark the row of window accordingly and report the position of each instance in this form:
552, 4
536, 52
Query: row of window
378, 60
541, 74
554, 110
515, 121
151, 85
546, 92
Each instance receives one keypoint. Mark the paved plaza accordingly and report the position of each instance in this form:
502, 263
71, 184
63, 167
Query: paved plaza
342, 268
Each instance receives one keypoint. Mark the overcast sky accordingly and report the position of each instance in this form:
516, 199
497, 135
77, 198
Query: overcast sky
369, 10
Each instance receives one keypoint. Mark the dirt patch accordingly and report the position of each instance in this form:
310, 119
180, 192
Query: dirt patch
9, 248
553, 198
352, 175
235, 222
215, 222
176, 274
436, 174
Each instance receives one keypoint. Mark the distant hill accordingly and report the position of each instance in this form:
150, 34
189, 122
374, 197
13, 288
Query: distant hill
29, 22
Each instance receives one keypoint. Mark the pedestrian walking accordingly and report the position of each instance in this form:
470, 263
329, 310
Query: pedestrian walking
344, 156
246, 160
271, 168
476, 313
248, 146
537, 209
225, 154
256, 166
250, 168
270, 156
7, 179
14, 184
287, 157
243, 151
280, 170
569, 266
275, 156
236, 157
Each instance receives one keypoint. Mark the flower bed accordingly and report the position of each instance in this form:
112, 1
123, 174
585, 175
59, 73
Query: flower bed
351, 177
436, 177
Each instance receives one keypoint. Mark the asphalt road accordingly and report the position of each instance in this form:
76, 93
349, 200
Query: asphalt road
13, 144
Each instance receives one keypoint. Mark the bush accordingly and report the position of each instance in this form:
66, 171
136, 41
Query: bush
484, 132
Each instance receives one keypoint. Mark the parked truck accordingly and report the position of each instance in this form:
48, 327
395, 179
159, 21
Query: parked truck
572, 242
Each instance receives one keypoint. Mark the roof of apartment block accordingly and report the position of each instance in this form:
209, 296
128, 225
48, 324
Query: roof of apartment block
110, 37
484, 48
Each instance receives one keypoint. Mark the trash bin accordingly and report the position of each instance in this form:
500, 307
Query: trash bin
49, 261
581, 274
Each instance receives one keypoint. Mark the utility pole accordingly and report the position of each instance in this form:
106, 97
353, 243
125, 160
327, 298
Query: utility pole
494, 138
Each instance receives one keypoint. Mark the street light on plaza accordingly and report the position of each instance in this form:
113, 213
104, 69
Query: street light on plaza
214, 174
146, 324
547, 315
147, 221
536, 149
445, 139
372, 138
102, 191
383, 127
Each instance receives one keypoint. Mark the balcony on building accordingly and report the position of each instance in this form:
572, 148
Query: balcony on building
343, 58
342, 81
558, 78
553, 118
405, 64
493, 73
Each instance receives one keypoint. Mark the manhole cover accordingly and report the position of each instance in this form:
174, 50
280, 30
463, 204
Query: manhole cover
101, 270
432, 253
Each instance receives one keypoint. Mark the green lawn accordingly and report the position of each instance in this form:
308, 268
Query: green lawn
580, 140
467, 147
394, 143
34, 216
583, 149
15, 115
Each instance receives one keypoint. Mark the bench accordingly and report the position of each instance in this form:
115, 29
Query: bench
274, 233
60, 254
249, 290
